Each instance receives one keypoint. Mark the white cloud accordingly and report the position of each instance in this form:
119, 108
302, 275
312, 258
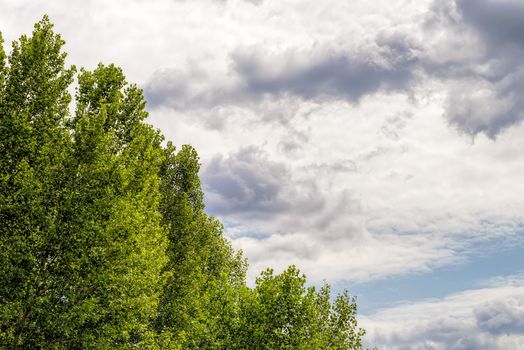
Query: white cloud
370, 186
415, 201
486, 318
394, 178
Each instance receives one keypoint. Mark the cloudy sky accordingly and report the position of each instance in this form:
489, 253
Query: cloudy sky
375, 144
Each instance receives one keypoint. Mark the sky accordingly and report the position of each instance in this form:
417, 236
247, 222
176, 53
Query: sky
375, 144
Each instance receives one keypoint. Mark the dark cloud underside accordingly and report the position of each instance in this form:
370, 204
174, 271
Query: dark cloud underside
490, 101
248, 183
499, 22
487, 99
332, 77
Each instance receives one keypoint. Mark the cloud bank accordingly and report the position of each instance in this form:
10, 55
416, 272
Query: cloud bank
487, 318
360, 140
482, 81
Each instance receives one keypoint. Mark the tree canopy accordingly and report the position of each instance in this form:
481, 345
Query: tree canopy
104, 238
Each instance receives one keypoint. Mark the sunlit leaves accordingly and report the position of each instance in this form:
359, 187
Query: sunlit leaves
104, 240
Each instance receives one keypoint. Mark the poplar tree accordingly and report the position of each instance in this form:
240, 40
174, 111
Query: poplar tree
81, 243
200, 299
104, 238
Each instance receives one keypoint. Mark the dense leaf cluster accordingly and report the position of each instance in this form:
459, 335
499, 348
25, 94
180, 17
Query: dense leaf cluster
104, 242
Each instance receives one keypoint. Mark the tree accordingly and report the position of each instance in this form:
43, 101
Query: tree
104, 238
281, 313
81, 243
206, 303
198, 299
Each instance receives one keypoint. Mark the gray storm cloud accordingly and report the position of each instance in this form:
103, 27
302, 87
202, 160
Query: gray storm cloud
307, 74
484, 94
334, 76
499, 22
248, 182
483, 85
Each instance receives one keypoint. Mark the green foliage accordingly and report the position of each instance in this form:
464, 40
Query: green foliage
81, 241
104, 241
281, 313
205, 270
